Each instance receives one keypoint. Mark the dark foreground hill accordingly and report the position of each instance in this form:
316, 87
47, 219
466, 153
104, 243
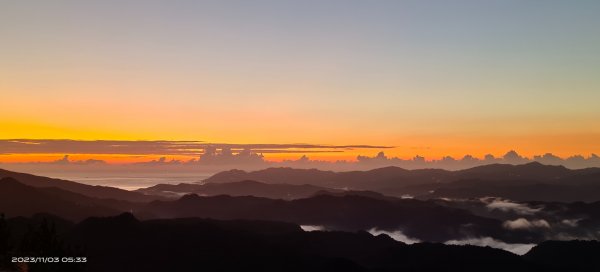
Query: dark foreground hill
123, 243
566, 256
18, 199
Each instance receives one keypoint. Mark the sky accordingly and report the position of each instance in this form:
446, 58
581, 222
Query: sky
433, 78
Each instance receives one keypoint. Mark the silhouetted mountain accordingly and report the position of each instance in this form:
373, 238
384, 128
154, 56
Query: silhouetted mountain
526, 192
20, 225
281, 175
123, 243
238, 188
87, 190
348, 212
17, 199
530, 171
417, 219
210, 245
369, 194
577, 185
357, 180
436, 220
566, 256
532, 181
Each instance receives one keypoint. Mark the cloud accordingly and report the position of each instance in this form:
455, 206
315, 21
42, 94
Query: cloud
162, 161
36, 146
514, 158
518, 249
66, 161
549, 159
312, 228
396, 235
571, 222
506, 205
198, 148
524, 224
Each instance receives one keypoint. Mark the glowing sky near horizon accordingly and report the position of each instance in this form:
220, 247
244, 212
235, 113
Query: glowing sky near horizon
432, 78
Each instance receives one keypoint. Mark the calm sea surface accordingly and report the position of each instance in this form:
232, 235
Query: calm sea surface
129, 181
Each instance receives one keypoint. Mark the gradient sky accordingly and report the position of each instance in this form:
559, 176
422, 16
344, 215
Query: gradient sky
429, 77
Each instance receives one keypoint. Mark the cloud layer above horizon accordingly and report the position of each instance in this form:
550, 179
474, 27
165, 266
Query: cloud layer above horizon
194, 153
186, 148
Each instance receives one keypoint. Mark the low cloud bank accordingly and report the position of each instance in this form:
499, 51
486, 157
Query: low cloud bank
524, 224
396, 235
312, 228
506, 205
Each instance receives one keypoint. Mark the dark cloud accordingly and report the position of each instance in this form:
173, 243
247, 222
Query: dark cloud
25, 146
30, 146
252, 154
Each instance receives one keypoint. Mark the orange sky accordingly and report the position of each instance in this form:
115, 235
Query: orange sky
429, 146
451, 80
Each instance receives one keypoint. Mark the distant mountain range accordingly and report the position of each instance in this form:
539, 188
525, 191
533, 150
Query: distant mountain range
495, 205
390, 177
527, 182
331, 210
237, 188
341, 212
